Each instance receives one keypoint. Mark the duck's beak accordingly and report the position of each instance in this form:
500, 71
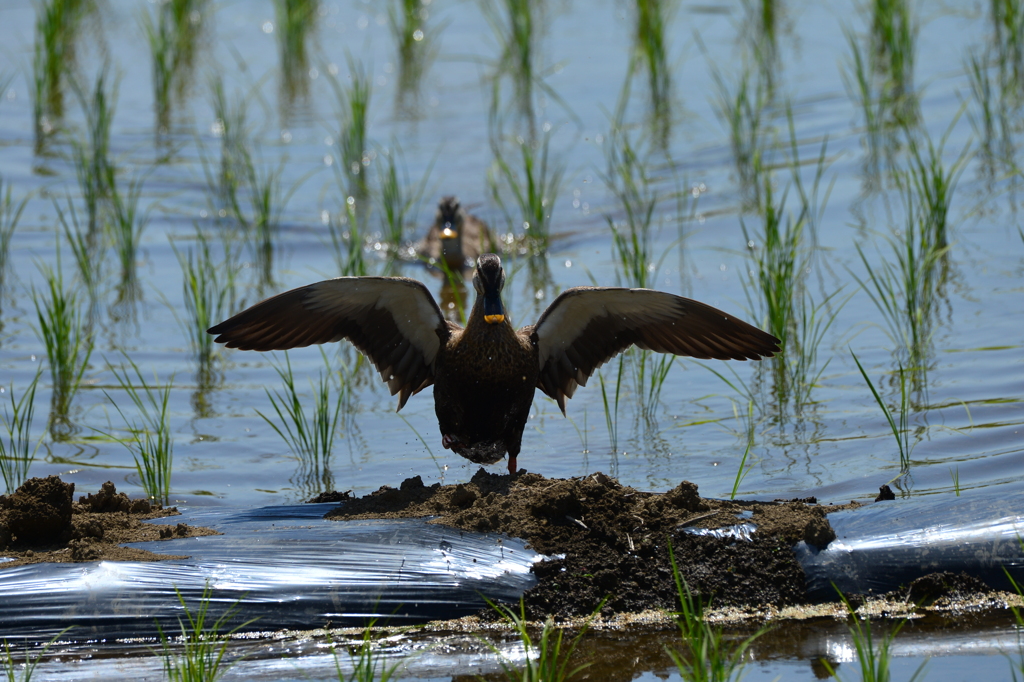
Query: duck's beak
448, 232
494, 311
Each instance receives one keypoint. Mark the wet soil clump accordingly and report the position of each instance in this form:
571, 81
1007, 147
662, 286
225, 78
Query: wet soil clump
613, 541
41, 522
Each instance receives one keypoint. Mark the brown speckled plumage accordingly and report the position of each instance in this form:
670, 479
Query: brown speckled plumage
485, 374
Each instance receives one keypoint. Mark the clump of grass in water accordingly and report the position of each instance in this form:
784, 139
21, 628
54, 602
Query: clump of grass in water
310, 438
901, 431
514, 24
10, 214
204, 644
353, 160
68, 342
533, 190
151, 442
706, 654
874, 657
1008, 25
231, 126
17, 452
548, 658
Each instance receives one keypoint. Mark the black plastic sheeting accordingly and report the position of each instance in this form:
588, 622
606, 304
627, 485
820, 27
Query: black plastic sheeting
284, 566
885, 545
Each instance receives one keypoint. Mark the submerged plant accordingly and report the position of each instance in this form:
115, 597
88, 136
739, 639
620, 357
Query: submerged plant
347, 241
150, 441
416, 49
397, 197
17, 452
93, 167
68, 341
86, 247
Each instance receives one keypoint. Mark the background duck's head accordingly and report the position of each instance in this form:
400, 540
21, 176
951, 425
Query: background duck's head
450, 218
488, 280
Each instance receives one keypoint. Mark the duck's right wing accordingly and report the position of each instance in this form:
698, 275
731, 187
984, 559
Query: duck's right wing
394, 321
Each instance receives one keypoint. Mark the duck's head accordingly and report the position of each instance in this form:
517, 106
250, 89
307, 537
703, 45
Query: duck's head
488, 280
449, 219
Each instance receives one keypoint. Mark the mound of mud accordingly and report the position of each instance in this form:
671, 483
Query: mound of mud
42, 522
614, 541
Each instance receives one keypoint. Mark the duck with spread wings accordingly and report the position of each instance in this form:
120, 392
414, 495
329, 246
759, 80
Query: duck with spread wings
485, 375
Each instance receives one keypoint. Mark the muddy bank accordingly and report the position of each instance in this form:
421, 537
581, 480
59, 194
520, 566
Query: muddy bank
615, 539
42, 522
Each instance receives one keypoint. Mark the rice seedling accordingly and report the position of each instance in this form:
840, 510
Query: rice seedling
874, 656
162, 46
516, 28
762, 18
150, 439
295, 20
310, 438
533, 190
707, 655
745, 111
10, 214
893, 36
368, 664
1008, 26
901, 431
9, 666
208, 292
85, 247
17, 452
627, 179
905, 291
650, 54
416, 50
57, 27
203, 641
231, 125
955, 475
989, 112
396, 199
547, 658
347, 241
933, 185
93, 166
353, 161
743, 469
68, 341
126, 226
267, 200
611, 407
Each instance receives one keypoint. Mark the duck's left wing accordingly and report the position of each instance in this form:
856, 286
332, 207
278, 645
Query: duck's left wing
586, 326
394, 321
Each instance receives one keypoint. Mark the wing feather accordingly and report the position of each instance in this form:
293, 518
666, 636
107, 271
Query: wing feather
394, 321
587, 326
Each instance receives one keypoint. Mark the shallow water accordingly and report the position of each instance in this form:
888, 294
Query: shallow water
966, 418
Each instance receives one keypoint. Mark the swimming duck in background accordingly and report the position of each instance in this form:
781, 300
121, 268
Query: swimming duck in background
456, 236
485, 374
